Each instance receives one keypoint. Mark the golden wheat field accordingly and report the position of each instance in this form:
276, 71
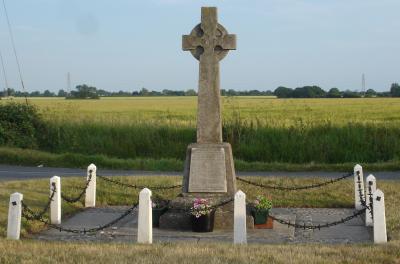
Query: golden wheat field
259, 109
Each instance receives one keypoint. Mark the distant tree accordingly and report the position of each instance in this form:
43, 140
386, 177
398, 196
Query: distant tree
84, 92
283, 92
62, 93
47, 93
35, 94
231, 92
102, 92
334, 93
395, 90
10, 92
309, 92
370, 93
144, 92
190, 92
351, 94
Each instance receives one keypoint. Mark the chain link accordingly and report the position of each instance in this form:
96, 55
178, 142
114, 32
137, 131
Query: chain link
360, 193
134, 186
29, 214
74, 200
45, 208
26, 213
296, 188
319, 226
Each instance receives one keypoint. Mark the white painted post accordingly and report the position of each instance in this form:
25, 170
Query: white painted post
358, 184
370, 187
90, 198
14, 216
379, 217
55, 204
145, 221
240, 231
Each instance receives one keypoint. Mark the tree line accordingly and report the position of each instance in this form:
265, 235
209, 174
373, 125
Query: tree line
85, 91
318, 92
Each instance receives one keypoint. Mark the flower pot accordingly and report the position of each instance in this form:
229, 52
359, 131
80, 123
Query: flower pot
260, 216
157, 212
204, 223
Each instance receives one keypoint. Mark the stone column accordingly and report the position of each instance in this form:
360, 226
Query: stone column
358, 184
240, 231
370, 187
55, 204
145, 221
14, 216
90, 198
379, 217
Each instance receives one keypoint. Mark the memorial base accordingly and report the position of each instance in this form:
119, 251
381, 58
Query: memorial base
209, 173
179, 218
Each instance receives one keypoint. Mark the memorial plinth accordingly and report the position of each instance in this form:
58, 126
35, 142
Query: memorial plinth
209, 168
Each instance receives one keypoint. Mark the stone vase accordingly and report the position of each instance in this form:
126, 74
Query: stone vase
204, 223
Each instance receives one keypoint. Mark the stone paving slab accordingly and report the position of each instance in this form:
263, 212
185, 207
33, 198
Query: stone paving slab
126, 230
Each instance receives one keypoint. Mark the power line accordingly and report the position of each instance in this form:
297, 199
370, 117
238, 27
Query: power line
4, 74
15, 50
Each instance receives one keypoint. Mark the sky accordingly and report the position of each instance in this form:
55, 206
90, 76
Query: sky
130, 44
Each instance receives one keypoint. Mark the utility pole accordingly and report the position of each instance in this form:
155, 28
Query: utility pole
363, 84
68, 83
5, 95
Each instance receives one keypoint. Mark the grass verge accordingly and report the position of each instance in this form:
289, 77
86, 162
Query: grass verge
189, 253
36, 192
29, 157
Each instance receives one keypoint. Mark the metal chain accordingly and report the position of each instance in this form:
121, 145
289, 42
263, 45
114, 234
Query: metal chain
45, 208
371, 201
26, 213
361, 195
313, 227
74, 200
362, 199
295, 188
138, 186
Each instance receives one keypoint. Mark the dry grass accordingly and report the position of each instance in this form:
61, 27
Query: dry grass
41, 252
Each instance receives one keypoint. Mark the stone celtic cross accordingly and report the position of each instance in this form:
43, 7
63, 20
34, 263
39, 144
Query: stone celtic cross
209, 42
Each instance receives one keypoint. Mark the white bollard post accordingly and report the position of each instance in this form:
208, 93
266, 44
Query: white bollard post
14, 216
55, 204
379, 217
90, 198
240, 231
370, 188
145, 221
358, 184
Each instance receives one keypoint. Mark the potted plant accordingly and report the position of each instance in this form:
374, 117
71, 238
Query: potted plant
202, 215
159, 207
261, 208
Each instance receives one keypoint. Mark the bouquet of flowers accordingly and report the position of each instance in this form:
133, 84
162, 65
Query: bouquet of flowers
200, 207
262, 203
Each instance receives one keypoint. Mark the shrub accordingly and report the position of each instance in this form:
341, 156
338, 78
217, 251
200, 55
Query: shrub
20, 125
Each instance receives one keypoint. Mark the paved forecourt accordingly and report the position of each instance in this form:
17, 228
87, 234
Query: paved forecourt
353, 231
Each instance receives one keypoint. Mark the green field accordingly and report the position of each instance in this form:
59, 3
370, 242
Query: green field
261, 129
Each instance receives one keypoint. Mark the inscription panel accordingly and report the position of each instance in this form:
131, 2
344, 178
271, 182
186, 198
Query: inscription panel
207, 170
